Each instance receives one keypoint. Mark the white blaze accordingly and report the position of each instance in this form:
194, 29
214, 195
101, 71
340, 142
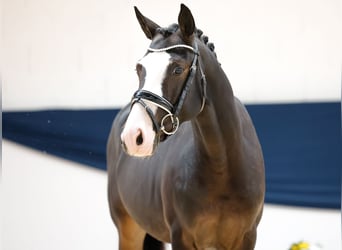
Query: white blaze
155, 65
138, 122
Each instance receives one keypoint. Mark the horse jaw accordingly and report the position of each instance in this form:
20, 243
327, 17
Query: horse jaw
138, 135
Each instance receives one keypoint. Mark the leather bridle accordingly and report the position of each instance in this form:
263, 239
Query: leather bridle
141, 96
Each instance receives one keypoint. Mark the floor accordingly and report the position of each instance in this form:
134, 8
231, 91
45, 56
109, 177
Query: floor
51, 203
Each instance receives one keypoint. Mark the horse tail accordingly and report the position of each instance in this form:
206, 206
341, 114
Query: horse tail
151, 243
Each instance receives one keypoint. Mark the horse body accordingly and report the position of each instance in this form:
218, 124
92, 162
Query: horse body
203, 187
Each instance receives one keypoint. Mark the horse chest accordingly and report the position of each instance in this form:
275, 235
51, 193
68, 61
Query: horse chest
210, 214
220, 228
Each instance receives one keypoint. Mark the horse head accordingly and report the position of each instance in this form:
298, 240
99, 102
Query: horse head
171, 87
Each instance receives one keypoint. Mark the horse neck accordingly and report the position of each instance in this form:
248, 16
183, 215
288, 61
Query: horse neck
217, 128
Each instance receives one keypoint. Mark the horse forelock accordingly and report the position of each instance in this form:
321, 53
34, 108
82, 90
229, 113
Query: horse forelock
166, 32
173, 28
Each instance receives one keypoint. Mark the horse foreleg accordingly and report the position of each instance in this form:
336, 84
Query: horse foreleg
249, 240
131, 236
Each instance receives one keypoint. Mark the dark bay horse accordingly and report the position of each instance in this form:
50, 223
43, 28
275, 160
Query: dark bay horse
184, 162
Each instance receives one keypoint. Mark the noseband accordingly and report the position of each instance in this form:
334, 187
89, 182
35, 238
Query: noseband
141, 96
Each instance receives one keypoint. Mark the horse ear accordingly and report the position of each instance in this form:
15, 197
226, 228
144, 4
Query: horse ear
186, 22
148, 26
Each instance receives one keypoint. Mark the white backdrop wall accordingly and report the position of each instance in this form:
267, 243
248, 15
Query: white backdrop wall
82, 53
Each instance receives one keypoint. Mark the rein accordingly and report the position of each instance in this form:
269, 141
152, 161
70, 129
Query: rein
172, 111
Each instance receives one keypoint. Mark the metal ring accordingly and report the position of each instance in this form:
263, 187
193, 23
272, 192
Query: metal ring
174, 121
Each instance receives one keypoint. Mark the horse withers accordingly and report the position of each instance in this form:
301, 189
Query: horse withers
184, 162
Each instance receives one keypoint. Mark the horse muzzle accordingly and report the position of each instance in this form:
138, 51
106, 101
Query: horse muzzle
138, 137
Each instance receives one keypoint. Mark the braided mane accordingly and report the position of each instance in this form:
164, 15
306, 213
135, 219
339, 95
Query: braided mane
199, 33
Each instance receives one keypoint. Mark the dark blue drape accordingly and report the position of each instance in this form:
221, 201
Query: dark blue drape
301, 144
78, 135
302, 151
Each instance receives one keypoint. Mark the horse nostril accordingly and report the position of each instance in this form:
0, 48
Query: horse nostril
139, 139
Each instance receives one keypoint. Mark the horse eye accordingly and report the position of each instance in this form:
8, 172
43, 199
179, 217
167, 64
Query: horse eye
178, 70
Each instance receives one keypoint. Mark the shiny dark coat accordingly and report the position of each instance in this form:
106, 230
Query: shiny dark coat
203, 188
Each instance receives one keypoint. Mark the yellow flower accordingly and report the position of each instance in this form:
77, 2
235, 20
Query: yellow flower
303, 245
294, 247
300, 246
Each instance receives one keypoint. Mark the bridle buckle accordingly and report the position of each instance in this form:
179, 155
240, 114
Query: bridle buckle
174, 122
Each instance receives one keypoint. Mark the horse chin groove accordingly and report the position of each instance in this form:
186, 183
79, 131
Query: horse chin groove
163, 137
139, 154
